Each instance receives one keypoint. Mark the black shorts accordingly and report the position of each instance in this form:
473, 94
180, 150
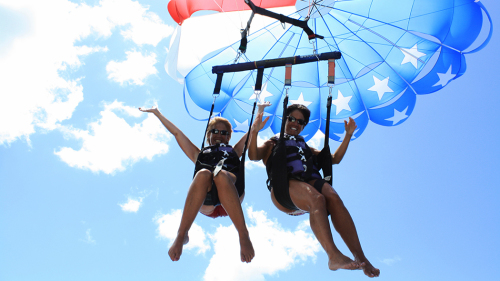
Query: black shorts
287, 200
212, 198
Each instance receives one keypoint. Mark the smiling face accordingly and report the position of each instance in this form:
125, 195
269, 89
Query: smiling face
214, 139
294, 128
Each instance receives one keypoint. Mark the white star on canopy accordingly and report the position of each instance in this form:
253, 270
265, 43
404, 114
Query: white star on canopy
445, 78
412, 55
301, 101
263, 94
398, 116
341, 103
241, 126
381, 87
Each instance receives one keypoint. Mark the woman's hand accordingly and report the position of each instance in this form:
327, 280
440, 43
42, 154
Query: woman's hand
263, 106
350, 127
150, 110
258, 124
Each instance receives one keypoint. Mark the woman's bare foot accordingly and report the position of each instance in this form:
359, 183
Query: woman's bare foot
175, 250
342, 262
369, 269
246, 249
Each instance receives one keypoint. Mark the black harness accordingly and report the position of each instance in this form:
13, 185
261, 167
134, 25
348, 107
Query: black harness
278, 172
210, 156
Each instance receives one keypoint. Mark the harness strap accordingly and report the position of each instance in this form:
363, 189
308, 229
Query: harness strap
325, 156
288, 75
218, 84
331, 72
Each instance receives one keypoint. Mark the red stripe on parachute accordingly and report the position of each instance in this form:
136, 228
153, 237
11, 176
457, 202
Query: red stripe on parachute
180, 10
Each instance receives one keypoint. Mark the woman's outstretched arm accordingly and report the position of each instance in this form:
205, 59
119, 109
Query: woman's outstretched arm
185, 144
341, 150
238, 147
254, 152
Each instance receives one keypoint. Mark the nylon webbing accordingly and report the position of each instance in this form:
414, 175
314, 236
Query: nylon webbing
216, 93
331, 71
288, 75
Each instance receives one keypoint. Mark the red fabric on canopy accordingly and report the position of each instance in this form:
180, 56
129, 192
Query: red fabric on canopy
182, 9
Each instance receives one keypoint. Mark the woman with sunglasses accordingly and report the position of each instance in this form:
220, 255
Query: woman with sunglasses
212, 191
308, 192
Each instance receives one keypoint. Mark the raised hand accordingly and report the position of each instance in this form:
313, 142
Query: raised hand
258, 124
350, 127
263, 106
150, 110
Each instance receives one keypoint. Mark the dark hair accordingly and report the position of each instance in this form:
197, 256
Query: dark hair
300, 107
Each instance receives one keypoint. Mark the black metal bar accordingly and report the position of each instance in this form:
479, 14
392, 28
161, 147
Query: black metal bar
244, 66
283, 18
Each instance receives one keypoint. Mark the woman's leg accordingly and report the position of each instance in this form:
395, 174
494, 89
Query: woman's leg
197, 192
343, 223
228, 196
306, 198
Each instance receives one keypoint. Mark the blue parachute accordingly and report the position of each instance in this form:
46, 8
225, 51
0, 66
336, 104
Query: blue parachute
392, 50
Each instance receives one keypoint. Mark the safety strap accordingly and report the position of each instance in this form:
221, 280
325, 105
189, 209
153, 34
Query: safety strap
216, 93
288, 75
331, 72
325, 155
240, 183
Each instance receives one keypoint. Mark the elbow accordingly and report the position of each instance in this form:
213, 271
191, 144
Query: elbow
335, 161
252, 155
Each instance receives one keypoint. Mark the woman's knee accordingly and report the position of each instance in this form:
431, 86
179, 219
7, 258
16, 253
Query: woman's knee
331, 196
224, 175
318, 199
203, 175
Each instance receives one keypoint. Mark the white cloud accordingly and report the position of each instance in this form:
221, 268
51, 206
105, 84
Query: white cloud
249, 164
167, 228
145, 28
88, 238
276, 249
132, 205
111, 143
35, 87
391, 261
135, 69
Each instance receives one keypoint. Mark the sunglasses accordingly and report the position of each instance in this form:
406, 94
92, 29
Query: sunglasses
221, 132
299, 121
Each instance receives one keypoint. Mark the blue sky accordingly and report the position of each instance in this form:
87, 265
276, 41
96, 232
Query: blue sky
91, 189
